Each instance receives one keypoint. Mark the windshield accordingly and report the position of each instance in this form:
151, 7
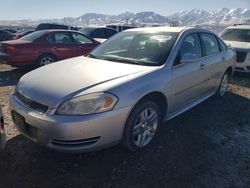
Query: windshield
33, 36
241, 35
137, 48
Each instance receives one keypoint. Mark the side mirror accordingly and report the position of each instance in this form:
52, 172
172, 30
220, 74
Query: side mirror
188, 58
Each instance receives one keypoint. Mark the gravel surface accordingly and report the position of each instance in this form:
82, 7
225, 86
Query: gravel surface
208, 146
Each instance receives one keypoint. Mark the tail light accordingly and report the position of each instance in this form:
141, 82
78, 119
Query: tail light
11, 49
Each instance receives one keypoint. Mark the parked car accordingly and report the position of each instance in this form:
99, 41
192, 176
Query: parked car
239, 38
23, 33
98, 32
2, 130
120, 28
46, 26
44, 47
10, 30
5, 35
122, 90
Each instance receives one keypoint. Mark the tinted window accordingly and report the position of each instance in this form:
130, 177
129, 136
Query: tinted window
210, 43
191, 45
98, 33
60, 37
33, 36
242, 35
50, 26
223, 47
81, 38
109, 32
87, 31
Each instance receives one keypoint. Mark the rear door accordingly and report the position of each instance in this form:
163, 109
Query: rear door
214, 57
187, 83
85, 44
63, 45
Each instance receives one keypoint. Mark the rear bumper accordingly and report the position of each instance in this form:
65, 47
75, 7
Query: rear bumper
72, 133
14, 61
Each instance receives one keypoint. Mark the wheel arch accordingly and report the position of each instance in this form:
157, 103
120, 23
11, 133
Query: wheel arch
47, 53
157, 97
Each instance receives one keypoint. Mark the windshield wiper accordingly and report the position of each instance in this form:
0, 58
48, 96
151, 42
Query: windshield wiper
122, 60
92, 56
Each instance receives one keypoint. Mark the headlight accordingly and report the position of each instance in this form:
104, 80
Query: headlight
88, 104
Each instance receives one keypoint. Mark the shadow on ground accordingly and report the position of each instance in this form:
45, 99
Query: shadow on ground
208, 146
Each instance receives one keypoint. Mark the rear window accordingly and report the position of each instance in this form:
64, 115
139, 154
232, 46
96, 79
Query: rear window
33, 36
241, 35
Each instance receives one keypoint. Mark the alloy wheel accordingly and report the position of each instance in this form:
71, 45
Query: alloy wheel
145, 127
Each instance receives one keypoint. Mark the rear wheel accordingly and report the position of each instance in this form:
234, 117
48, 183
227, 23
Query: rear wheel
45, 59
141, 126
223, 84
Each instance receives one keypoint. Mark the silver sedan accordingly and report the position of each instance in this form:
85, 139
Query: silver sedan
123, 90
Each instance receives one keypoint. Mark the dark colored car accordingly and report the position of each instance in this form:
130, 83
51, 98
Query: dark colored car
120, 28
43, 47
98, 32
10, 30
6, 35
46, 26
2, 130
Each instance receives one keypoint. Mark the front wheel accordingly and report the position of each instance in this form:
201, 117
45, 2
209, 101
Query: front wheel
141, 126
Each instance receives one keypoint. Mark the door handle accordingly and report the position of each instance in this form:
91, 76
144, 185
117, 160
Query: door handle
202, 67
223, 58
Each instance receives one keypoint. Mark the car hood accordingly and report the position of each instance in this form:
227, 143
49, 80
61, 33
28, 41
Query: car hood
51, 84
240, 45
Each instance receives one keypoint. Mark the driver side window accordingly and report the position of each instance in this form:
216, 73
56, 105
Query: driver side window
191, 45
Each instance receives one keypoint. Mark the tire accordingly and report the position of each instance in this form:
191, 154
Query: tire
223, 85
45, 59
141, 126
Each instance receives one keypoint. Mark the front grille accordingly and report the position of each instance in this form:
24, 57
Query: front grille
31, 104
75, 143
248, 67
241, 56
239, 68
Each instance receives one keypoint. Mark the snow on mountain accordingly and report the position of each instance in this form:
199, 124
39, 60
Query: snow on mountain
149, 18
222, 16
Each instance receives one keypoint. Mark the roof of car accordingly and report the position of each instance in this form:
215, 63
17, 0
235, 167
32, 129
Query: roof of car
240, 27
159, 29
54, 30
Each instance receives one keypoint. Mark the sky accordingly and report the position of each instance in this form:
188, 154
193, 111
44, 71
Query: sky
47, 9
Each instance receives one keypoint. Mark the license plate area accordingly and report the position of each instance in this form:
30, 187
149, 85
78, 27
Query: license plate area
24, 127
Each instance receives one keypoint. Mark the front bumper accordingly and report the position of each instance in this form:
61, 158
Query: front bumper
71, 133
243, 64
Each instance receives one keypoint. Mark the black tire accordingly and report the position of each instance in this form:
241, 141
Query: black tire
129, 139
41, 61
222, 89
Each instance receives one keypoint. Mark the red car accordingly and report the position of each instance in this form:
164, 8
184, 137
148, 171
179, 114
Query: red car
44, 47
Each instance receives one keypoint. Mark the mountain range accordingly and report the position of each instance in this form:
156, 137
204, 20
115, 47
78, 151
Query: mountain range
222, 16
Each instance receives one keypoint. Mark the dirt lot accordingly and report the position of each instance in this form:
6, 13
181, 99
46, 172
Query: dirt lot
208, 146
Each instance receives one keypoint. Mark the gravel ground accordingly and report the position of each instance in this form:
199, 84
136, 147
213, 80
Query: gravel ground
208, 146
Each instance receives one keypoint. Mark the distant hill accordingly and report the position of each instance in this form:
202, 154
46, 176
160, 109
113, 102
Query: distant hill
222, 16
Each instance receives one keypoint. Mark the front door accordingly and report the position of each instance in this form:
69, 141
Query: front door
188, 80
